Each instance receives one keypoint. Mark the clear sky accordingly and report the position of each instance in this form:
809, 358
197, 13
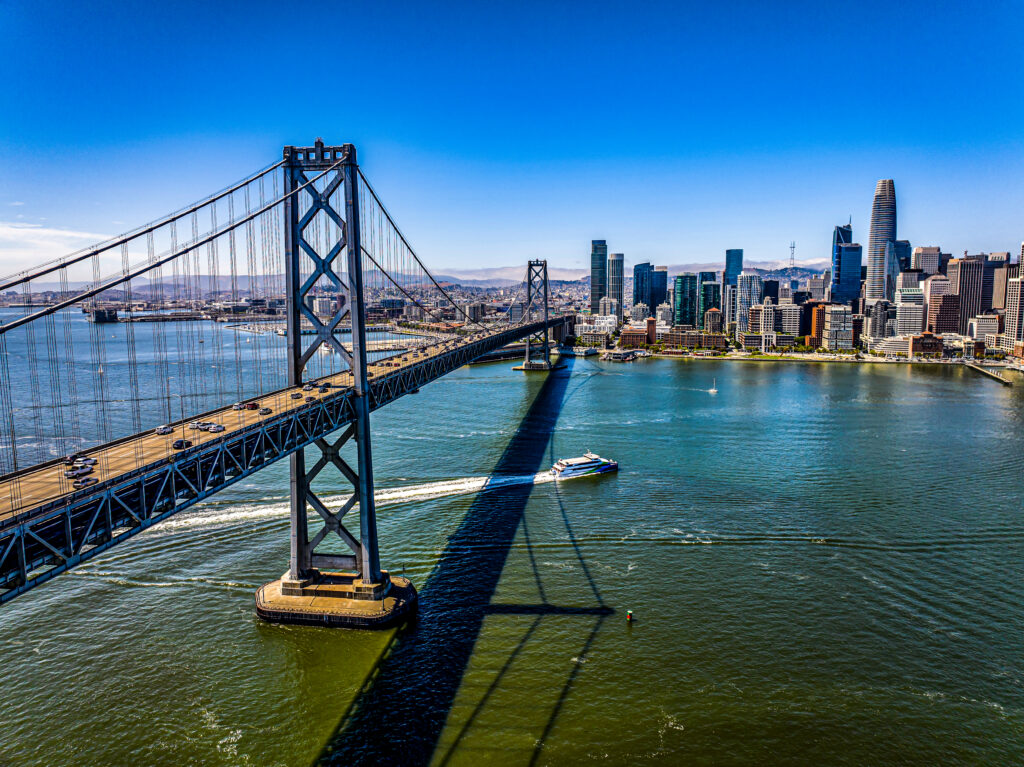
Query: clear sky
498, 132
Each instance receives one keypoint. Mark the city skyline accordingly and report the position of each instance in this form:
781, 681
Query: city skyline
709, 158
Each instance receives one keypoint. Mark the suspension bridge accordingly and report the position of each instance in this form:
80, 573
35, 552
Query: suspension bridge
108, 428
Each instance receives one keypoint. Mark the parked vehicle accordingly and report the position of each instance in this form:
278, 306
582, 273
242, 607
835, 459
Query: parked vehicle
181, 444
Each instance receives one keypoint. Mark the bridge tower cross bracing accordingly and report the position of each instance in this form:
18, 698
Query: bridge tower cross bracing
538, 347
356, 579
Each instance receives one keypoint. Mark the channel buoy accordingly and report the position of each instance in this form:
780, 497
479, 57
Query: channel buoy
629, 616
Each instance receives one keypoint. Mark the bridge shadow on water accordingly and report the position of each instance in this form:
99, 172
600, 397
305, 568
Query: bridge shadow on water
399, 716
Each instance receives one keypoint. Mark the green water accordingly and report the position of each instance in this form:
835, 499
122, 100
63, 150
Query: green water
824, 562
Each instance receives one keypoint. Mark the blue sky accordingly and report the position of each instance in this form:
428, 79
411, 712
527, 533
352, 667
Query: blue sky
501, 132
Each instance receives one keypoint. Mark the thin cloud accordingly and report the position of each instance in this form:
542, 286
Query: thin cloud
16, 203
24, 244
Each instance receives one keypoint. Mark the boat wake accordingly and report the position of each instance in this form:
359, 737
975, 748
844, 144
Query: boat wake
277, 510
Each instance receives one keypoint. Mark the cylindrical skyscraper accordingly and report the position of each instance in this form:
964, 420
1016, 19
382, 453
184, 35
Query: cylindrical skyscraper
615, 280
881, 243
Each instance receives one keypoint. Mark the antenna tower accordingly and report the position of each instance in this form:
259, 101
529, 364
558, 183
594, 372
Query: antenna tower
792, 255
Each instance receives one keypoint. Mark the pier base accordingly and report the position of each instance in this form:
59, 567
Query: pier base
337, 599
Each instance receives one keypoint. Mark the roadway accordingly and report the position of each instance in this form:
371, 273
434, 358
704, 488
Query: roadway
48, 483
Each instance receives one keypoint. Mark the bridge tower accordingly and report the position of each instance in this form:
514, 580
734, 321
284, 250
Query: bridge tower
349, 589
538, 348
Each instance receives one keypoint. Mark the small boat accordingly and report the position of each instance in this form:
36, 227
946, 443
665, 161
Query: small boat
586, 465
714, 386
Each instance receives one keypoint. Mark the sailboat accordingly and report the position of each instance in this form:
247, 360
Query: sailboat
714, 386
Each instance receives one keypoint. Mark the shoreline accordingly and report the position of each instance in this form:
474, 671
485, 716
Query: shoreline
823, 360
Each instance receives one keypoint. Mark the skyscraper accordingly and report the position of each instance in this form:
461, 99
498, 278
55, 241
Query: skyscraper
642, 274
615, 280
685, 300
598, 273
733, 266
926, 259
659, 286
709, 297
748, 293
846, 262
903, 254
882, 265
704, 278
966, 276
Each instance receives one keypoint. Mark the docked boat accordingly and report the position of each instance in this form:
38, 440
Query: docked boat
584, 466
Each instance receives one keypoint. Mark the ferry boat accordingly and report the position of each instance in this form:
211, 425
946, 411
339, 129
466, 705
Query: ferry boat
586, 465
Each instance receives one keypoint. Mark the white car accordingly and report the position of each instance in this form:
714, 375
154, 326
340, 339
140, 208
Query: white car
215, 428
164, 430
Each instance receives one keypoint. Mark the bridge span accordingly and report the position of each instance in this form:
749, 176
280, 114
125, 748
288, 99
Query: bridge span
336, 245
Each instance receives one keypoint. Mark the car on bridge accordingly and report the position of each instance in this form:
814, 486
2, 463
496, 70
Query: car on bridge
215, 428
195, 425
252, 405
81, 471
308, 387
79, 462
265, 411
78, 484
310, 399
181, 444
296, 395
161, 430
238, 406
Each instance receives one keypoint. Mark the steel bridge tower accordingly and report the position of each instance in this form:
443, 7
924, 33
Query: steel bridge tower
538, 348
352, 590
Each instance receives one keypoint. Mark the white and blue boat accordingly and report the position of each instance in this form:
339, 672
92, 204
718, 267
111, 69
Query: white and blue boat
586, 465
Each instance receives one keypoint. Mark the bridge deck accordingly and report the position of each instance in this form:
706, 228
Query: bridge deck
47, 484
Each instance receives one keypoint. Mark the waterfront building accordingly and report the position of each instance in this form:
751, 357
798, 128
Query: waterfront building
926, 259
815, 317
615, 281
944, 314
1013, 320
728, 305
608, 306
684, 293
631, 338
642, 279
787, 319
733, 266
594, 338
694, 339
982, 325
838, 330
710, 295
933, 287
598, 273
966, 277
909, 311
748, 293
846, 263
664, 313
639, 311
713, 320
882, 267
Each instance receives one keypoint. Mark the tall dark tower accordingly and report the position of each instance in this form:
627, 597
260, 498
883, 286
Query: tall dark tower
598, 273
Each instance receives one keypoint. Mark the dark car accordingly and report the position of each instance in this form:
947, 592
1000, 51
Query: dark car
78, 484
70, 459
296, 395
181, 444
265, 411
252, 405
323, 390
310, 399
